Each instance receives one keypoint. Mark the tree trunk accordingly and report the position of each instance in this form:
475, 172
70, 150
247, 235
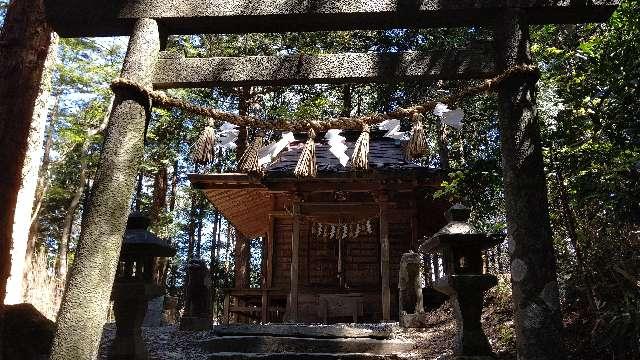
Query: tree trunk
436, 266
86, 299
63, 245
191, 227
159, 193
227, 262
243, 109
571, 225
241, 257
24, 46
138, 196
174, 187
538, 321
500, 260
26, 195
199, 236
347, 101
443, 144
42, 187
428, 271
241, 249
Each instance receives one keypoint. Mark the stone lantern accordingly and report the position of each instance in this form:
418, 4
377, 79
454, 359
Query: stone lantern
463, 279
140, 276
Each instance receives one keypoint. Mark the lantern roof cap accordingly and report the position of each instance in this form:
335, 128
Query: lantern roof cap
459, 233
138, 240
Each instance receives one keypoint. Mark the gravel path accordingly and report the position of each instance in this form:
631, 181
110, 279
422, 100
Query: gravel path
163, 343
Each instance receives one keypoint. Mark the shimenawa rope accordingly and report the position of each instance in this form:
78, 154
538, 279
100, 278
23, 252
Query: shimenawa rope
162, 100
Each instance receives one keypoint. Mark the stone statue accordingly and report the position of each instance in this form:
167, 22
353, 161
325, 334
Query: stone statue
197, 311
410, 291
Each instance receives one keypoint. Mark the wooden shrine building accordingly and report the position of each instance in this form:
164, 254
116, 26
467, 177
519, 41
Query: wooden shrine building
332, 243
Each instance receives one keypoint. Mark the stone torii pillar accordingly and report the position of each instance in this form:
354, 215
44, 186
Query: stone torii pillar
533, 267
85, 302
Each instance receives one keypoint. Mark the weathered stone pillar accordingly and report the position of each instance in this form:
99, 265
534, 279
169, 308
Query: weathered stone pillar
86, 299
533, 267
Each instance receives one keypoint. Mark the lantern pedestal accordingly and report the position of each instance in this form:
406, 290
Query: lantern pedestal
129, 308
466, 293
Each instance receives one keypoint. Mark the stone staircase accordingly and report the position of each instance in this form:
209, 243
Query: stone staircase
305, 342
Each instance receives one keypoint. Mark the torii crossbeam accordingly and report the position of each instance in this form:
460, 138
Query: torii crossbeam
116, 17
149, 22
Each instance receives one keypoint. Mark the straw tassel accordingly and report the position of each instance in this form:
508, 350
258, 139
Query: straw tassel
306, 166
360, 157
249, 161
203, 151
417, 145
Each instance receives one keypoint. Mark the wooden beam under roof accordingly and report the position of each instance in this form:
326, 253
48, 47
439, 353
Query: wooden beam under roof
180, 72
75, 18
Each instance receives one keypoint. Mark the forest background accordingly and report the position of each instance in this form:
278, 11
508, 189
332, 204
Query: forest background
588, 102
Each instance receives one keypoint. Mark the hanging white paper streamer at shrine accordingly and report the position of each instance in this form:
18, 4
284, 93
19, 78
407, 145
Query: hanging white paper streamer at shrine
453, 118
268, 153
340, 231
440, 109
450, 117
227, 135
393, 129
337, 145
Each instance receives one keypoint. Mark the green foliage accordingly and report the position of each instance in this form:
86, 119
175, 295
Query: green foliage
506, 335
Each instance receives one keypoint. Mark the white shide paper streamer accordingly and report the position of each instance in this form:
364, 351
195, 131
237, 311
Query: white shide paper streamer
268, 153
450, 117
337, 145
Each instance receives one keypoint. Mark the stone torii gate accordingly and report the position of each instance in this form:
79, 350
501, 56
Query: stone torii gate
149, 22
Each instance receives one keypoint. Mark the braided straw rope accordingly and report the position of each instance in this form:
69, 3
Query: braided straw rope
417, 145
248, 162
306, 166
360, 157
162, 100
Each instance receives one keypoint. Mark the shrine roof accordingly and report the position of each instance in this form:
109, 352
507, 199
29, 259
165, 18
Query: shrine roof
386, 157
246, 199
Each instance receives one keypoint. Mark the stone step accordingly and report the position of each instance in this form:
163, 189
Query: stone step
373, 331
301, 356
274, 344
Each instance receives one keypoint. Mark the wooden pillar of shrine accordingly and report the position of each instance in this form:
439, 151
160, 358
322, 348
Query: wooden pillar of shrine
385, 293
88, 290
295, 263
533, 268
